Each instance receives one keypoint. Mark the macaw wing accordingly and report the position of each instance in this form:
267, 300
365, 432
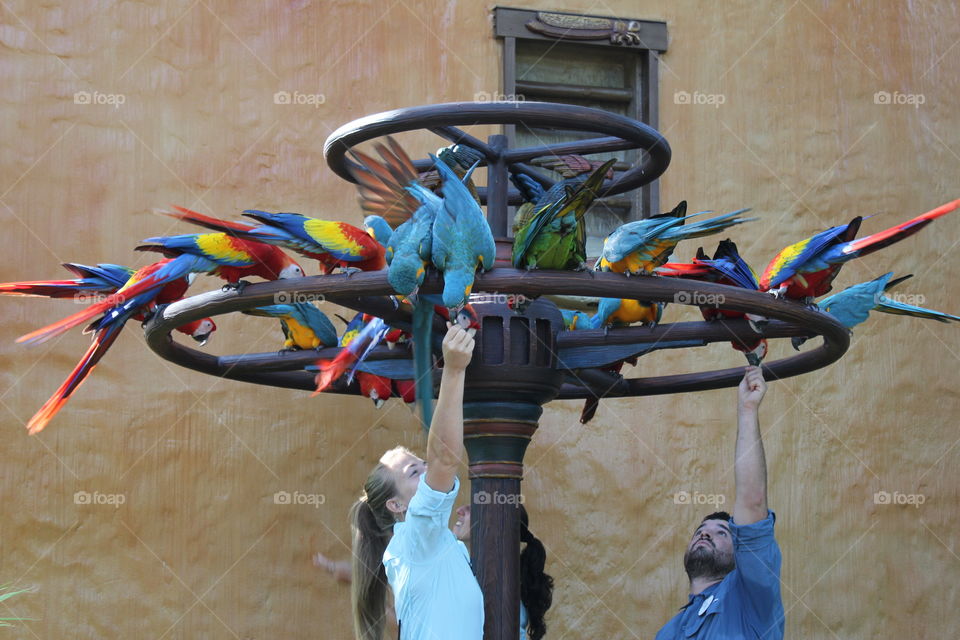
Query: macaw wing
341, 240
879, 240
790, 259
318, 321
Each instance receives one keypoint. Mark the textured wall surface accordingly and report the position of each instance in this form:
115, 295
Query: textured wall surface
199, 549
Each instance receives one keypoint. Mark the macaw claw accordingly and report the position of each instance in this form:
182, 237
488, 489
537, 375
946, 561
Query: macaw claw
238, 286
152, 313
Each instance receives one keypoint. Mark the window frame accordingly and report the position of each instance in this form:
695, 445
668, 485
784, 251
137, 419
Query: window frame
647, 38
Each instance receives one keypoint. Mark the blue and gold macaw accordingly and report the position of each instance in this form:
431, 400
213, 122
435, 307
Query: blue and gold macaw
462, 240
620, 312
641, 246
854, 304
805, 270
555, 236
304, 326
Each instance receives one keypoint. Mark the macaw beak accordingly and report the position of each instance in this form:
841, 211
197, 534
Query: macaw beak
201, 338
796, 341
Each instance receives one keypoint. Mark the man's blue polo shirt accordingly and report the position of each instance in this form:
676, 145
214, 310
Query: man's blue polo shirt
746, 603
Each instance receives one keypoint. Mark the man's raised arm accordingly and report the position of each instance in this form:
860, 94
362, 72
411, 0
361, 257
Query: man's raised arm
750, 469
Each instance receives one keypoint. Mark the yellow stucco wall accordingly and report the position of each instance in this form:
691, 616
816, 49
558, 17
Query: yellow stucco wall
199, 549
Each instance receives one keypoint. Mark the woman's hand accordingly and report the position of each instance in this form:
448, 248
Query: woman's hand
457, 347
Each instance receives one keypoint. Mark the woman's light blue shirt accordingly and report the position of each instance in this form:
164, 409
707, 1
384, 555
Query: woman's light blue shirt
434, 590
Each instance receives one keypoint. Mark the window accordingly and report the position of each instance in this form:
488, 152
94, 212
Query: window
593, 61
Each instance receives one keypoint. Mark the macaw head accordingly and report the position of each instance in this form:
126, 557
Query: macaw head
378, 228
456, 288
200, 330
289, 269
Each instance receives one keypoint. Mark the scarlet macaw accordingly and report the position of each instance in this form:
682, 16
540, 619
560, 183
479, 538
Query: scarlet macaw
806, 269
107, 328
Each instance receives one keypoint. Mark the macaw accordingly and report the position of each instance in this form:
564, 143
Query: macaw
622, 312
641, 246
591, 404
362, 334
103, 278
107, 328
462, 240
214, 253
379, 229
852, 305
805, 270
333, 244
575, 320
555, 236
304, 326
728, 268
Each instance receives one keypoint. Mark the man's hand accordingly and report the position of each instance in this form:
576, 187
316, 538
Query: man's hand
457, 347
752, 389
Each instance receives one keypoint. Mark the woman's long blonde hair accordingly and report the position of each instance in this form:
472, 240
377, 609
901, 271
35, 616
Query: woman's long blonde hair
372, 525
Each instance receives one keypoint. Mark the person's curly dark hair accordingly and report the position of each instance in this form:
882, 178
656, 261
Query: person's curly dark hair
536, 587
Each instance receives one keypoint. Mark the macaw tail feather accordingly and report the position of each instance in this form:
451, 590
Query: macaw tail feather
705, 227
208, 222
887, 305
101, 344
423, 359
51, 288
879, 240
590, 406
331, 370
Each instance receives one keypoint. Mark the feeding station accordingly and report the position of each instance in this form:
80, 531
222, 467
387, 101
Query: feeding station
523, 359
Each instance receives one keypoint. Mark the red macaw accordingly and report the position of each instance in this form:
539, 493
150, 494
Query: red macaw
107, 328
333, 244
213, 253
806, 269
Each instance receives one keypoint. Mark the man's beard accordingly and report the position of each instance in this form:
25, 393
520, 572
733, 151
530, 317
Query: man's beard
706, 561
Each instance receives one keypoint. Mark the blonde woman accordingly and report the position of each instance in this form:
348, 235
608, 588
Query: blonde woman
400, 534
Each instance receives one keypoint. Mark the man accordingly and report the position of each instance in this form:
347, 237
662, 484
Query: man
734, 564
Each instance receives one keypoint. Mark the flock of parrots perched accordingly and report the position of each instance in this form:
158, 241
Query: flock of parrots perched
418, 222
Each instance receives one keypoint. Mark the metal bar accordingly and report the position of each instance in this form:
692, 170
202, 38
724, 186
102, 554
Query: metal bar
527, 88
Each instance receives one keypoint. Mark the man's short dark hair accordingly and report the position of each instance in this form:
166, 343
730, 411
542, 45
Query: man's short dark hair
717, 515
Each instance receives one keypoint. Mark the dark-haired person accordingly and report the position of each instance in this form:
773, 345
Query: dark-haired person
734, 563
400, 534
536, 586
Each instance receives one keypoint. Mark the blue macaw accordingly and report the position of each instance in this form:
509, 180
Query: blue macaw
641, 246
380, 229
304, 326
852, 305
576, 320
462, 240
